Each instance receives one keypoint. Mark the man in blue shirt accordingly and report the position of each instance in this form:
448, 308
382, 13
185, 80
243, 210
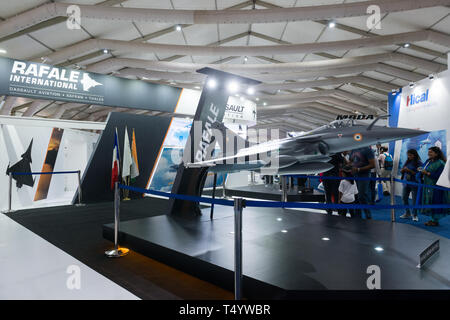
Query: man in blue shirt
363, 161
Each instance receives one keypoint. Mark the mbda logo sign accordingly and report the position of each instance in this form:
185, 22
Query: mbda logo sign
355, 117
415, 99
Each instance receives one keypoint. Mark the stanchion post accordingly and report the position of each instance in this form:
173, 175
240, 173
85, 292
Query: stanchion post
392, 182
239, 204
283, 181
224, 192
79, 204
116, 252
211, 215
10, 193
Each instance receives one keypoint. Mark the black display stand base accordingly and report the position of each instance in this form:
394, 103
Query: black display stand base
270, 192
283, 258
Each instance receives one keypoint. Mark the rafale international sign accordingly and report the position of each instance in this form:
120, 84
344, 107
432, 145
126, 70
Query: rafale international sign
41, 81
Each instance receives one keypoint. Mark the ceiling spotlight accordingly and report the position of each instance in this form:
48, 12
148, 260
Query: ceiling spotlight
284, 231
257, 99
411, 84
105, 51
264, 103
331, 24
212, 83
232, 87
406, 45
251, 91
379, 249
431, 77
2, 51
245, 58
178, 27
326, 239
279, 219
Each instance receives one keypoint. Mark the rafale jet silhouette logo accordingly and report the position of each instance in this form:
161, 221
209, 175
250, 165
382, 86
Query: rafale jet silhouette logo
88, 82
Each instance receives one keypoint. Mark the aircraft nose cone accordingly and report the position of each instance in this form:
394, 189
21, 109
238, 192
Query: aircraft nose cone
386, 133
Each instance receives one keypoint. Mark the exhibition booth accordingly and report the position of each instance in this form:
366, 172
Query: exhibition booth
264, 248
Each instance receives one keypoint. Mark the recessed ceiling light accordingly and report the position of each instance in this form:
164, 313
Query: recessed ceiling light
265, 103
105, 51
326, 239
250, 90
379, 249
178, 27
331, 24
279, 219
257, 99
212, 83
233, 86
284, 231
406, 45
245, 58
2, 51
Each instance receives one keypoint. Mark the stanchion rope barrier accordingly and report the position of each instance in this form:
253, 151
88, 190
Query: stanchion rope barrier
280, 204
34, 173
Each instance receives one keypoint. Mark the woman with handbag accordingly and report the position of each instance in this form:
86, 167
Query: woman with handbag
409, 172
430, 173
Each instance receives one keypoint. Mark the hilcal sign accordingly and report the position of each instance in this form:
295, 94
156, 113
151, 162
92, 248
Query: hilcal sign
417, 98
355, 117
44, 81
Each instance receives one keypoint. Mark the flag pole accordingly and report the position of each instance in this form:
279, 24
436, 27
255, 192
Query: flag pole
126, 192
117, 251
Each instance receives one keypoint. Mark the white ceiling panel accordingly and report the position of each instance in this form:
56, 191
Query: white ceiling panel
58, 36
12, 8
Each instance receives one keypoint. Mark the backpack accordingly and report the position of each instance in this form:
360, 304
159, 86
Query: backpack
388, 161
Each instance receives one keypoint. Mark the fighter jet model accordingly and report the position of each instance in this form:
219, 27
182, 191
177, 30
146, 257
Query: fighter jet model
23, 165
307, 153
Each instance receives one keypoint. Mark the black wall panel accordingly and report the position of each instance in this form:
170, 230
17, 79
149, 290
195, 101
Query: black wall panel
150, 132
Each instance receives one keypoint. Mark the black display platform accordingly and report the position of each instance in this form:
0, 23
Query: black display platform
270, 192
282, 265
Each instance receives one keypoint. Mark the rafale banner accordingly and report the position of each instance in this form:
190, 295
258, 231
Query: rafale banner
41, 81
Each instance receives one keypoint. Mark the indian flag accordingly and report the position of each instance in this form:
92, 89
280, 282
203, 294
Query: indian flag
134, 169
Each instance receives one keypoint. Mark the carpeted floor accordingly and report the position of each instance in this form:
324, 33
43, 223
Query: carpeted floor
444, 224
78, 232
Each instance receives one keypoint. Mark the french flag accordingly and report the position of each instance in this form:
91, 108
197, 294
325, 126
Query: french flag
115, 174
